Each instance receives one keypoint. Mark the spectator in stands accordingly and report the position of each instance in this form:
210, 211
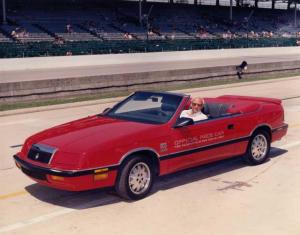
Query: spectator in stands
286, 35
14, 34
227, 35
202, 33
23, 33
267, 34
127, 36
271, 34
69, 53
55, 42
69, 28
230, 34
150, 32
195, 112
251, 34
58, 41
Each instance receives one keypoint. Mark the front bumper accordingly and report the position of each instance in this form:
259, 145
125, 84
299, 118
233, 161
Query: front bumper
71, 180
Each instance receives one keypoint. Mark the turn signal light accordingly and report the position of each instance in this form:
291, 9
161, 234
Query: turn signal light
57, 178
100, 170
101, 176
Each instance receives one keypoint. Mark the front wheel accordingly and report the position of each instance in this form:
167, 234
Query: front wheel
258, 148
135, 179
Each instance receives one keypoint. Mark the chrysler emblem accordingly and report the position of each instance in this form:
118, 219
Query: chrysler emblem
36, 156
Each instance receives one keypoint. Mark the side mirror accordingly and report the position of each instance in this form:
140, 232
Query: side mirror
106, 110
183, 121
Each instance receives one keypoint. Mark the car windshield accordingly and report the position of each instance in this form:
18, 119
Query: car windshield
147, 107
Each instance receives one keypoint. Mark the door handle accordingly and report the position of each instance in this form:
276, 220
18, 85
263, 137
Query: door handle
230, 127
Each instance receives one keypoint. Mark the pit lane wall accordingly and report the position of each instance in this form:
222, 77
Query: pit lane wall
53, 77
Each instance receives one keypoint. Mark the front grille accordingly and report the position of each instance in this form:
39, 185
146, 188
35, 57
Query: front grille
34, 174
41, 153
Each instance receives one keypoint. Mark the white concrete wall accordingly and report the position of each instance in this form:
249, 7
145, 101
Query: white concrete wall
136, 58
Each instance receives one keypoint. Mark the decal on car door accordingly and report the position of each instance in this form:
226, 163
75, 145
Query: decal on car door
204, 138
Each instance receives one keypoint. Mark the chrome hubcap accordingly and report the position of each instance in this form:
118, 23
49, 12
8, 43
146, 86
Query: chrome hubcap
259, 147
139, 178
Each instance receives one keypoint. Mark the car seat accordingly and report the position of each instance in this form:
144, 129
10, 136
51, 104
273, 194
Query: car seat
214, 110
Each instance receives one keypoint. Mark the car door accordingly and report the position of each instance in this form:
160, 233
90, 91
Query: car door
203, 142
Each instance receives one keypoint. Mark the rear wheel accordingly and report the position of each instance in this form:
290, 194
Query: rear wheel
135, 179
258, 148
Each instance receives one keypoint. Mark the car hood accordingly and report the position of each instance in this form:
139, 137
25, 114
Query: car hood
89, 132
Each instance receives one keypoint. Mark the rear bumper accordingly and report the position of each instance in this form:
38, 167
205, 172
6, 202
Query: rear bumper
279, 132
68, 180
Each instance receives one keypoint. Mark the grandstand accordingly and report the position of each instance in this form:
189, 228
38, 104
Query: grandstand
96, 27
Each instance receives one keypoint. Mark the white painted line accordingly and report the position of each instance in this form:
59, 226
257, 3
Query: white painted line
290, 145
90, 204
18, 122
34, 220
49, 216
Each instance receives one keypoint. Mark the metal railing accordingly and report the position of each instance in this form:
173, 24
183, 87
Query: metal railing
36, 49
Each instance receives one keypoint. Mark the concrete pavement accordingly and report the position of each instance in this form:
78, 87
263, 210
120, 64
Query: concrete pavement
228, 197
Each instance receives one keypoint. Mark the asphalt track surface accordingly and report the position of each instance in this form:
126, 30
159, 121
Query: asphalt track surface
226, 197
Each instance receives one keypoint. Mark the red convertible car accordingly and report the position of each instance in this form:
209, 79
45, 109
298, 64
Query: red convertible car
143, 136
